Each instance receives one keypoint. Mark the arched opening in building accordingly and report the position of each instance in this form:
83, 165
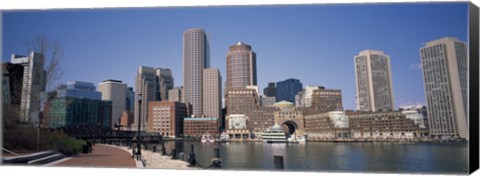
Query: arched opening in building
289, 127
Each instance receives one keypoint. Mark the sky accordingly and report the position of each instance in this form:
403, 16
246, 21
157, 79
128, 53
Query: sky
313, 43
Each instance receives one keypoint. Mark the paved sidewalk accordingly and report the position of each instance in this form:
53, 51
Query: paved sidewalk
102, 156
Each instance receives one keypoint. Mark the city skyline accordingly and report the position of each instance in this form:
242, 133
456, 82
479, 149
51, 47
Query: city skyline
307, 50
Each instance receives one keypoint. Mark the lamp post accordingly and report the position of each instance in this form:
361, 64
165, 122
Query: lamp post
139, 153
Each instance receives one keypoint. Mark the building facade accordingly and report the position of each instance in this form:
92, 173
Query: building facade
176, 94
374, 81
384, 126
196, 127
65, 111
325, 100
267, 101
164, 81
241, 66
145, 85
304, 98
270, 90
130, 100
212, 93
327, 126
33, 83
445, 69
115, 91
286, 90
195, 59
167, 117
78, 89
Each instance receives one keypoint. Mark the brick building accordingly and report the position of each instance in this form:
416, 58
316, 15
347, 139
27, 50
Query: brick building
199, 126
166, 117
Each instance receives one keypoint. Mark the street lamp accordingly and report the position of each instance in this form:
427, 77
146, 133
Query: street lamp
139, 153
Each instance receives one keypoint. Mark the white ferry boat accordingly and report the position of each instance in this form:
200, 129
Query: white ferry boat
223, 137
207, 138
274, 135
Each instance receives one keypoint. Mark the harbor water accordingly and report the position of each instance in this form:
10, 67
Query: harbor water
333, 157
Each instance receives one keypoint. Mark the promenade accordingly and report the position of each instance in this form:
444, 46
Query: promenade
102, 156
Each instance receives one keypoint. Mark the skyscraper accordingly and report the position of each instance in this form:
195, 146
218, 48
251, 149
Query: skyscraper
374, 81
241, 66
130, 100
195, 59
286, 90
115, 91
33, 84
145, 84
212, 93
270, 90
445, 69
164, 81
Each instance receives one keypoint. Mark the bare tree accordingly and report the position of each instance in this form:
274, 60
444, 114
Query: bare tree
53, 53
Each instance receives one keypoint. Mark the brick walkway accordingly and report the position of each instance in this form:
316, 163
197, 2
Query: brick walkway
102, 156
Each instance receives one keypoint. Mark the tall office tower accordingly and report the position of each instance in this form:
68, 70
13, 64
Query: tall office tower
176, 94
374, 81
33, 84
241, 66
145, 86
195, 59
115, 91
445, 69
212, 93
164, 81
270, 90
130, 100
286, 90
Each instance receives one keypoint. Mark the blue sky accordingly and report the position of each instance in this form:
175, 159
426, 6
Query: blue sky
313, 43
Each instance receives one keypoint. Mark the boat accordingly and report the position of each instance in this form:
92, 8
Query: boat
207, 138
223, 137
297, 139
274, 135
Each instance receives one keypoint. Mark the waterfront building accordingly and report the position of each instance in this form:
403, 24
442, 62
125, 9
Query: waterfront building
416, 115
384, 126
195, 59
130, 100
325, 100
33, 83
237, 126
166, 117
245, 101
212, 93
66, 111
164, 82
145, 85
327, 126
286, 90
241, 66
78, 89
445, 69
115, 91
176, 94
289, 118
270, 90
267, 101
374, 81
198, 126
127, 120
